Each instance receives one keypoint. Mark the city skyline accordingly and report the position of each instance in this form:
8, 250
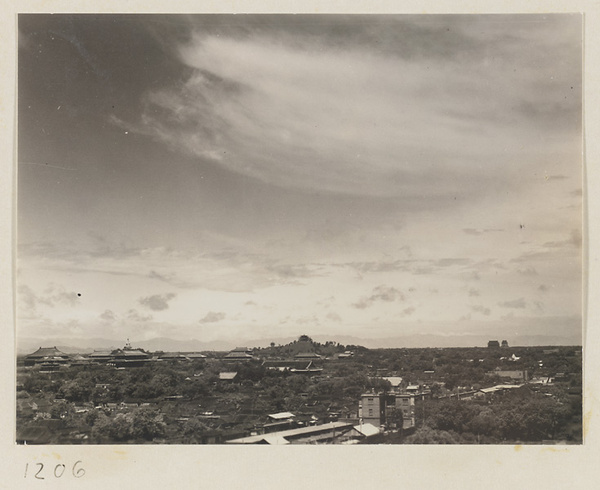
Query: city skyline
240, 177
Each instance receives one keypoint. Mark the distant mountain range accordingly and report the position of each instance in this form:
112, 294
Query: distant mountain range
28, 345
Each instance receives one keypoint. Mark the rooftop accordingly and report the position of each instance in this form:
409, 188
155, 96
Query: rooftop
367, 430
281, 415
284, 436
47, 352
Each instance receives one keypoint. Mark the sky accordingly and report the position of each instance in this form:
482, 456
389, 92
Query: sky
232, 177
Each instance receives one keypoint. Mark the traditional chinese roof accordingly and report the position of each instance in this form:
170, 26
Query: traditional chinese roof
173, 355
100, 353
195, 355
394, 380
129, 353
307, 355
47, 352
238, 355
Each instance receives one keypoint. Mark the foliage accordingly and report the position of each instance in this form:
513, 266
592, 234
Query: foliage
139, 424
528, 414
427, 435
519, 415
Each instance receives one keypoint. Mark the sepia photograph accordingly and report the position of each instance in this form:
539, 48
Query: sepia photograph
307, 229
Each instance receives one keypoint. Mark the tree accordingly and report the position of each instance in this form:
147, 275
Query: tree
395, 419
61, 410
141, 423
427, 435
91, 417
75, 391
147, 424
484, 423
193, 428
196, 387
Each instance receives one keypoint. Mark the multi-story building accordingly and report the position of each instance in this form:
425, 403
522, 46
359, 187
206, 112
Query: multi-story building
46, 355
385, 409
239, 354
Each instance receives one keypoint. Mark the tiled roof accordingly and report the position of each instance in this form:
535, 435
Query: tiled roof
307, 355
100, 353
238, 355
47, 352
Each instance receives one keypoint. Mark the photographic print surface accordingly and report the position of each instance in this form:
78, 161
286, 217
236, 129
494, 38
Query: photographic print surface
299, 229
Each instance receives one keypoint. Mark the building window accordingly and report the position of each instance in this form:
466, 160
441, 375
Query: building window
370, 412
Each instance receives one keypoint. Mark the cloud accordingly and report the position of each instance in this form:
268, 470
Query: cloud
423, 270
56, 294
157, 302
380, 293
543, 288
137, 317
27, 304
529, 271
408, 311
161, 277
473, 292
333, 317
473, 231
213, 317
574, 240
473, 275
314, 112
291, 271
326, 302
381, 266
27, 298
24, 41
481, 309
449, 262
515, 303
108, 316
308, 320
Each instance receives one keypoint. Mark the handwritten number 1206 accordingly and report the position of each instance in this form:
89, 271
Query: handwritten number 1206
59, 470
